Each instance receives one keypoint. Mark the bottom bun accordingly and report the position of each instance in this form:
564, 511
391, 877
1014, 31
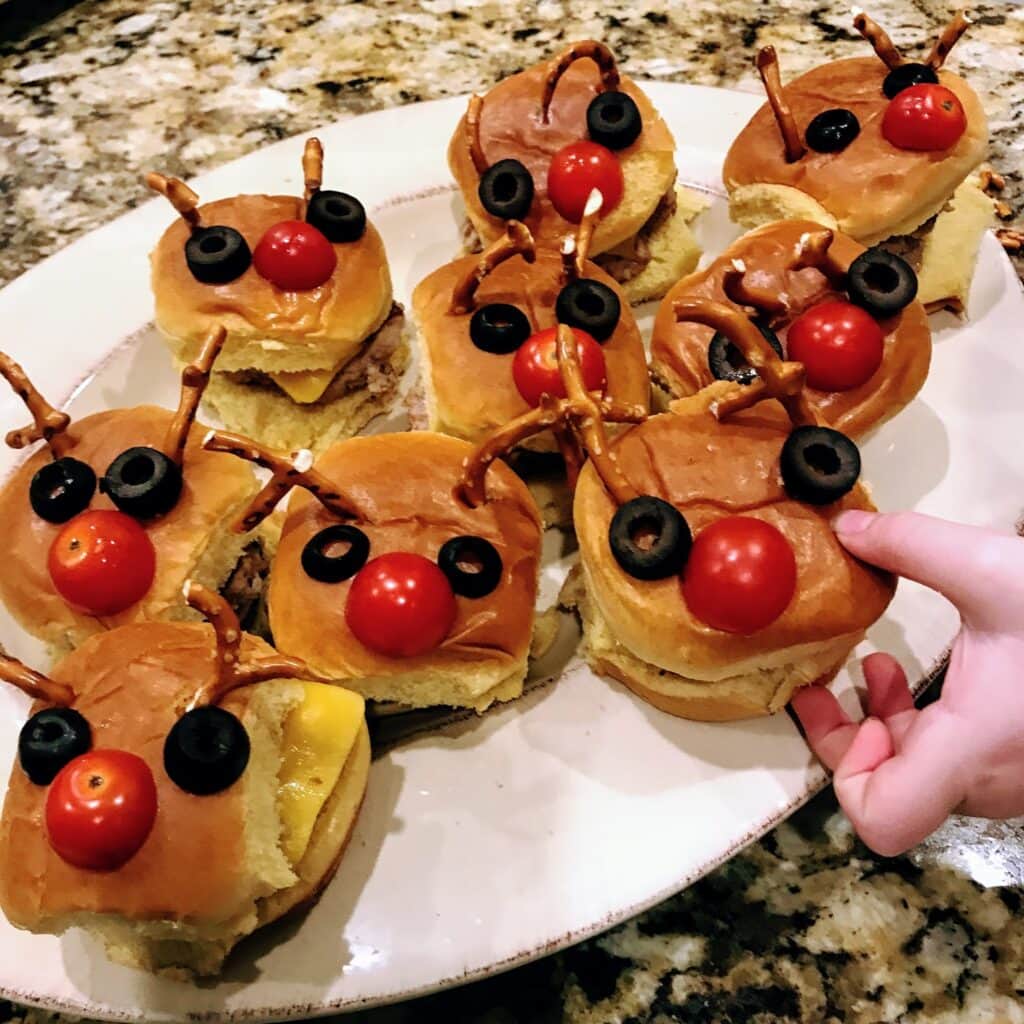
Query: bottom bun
751, 695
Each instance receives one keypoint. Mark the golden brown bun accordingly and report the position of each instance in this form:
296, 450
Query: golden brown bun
471, 392
871, 188
511, 127
212, 869
269, 329
402, 485
708, 469
679, 351
192, 540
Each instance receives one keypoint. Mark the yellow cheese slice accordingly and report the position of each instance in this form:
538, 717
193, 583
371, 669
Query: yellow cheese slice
304, 386
318, 736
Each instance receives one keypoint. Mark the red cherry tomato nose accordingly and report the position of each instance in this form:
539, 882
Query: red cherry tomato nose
840, 345
100, 809
102, 562
740, 576
535, 365
400, 605
924, 117
295, 256
576, 170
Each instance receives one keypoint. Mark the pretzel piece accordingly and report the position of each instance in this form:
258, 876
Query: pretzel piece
49, 424
947, 40
312, 168
194, 379
517, 241
35, 684
597, 52
768, 69
476, 150
179, 195
298, 471
878, 38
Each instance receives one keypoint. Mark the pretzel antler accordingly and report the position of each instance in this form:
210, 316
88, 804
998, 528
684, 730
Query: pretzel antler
576, 250
947, 40
768, 69
312, 168
231, 673
811, 250
194, 379
597, 52
517, 240
35, 684
777, 378
878, 38
49, 423
298, 471
578, 418
476, 150
179, 195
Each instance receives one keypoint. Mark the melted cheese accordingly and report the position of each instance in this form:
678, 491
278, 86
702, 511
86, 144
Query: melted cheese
318, 736
304, 386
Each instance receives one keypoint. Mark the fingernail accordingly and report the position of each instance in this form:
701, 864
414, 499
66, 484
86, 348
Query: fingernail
853, 521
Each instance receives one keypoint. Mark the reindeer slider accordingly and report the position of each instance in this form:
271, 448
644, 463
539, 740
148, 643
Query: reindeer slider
875, 147
722, 588
314, 345
388, 579
535, 146
227, 778
106, 521
487, 330
797, 279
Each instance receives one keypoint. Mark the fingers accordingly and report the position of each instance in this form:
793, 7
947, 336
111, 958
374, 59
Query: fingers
980, 571
827, 728
888, 691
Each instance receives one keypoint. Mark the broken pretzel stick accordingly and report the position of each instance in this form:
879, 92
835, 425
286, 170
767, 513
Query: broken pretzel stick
947, 40
35, 684
194, 379
878, 38
768, 69
179, 195
49, 424
476, 150
517, 241
312, 169
597, 52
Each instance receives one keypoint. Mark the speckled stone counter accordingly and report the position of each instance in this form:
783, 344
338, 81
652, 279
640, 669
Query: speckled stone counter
806, 925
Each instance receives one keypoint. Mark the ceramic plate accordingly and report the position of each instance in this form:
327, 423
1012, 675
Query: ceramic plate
501, 838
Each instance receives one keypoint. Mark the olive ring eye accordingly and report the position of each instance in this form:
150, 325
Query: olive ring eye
832, 131
49, 740
589, 305
499, 328
506, 190
217, 254
61, 489
323, 564
819, 465
726, 362
613, 120
649, 538
206, 751
456, 553
881, 283
143, 482
338, 216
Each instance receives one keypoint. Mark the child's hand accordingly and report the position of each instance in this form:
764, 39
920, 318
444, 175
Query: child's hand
901, 772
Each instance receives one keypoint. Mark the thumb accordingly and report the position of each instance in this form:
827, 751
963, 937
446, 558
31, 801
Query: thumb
979, 571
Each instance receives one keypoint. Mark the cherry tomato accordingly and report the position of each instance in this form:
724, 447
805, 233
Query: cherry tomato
840, 345
102, 562
295, 256
576, 170
535, 366
400, 605
924, 117
100, 809
740, 576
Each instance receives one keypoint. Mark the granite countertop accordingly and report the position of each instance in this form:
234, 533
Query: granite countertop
806, 925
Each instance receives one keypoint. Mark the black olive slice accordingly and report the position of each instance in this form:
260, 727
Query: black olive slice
61, 489
832, 130
506, 190
217, 254
881, 282
338, 216
726, 362
906, 75
206, 751
499, 328
321, 563
613, 120
481, 554
589, 305
819, 465
649, 538
49, 740
143, 482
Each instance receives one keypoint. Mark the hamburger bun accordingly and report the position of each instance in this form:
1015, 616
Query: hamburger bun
642, 632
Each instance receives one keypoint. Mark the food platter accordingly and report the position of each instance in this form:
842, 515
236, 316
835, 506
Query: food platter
500, 838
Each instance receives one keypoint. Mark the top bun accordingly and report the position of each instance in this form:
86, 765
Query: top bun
871, 189
269, 329
511, 126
